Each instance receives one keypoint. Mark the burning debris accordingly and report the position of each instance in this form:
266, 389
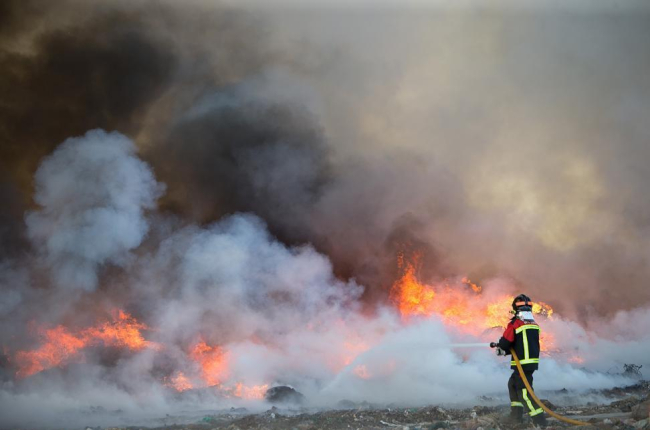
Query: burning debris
60, 346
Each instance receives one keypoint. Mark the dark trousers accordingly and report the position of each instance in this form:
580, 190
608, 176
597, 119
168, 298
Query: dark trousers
519, 397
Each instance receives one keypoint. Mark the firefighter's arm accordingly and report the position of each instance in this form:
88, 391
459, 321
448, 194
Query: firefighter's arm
508, 338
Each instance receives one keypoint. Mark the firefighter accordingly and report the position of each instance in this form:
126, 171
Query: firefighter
522, 334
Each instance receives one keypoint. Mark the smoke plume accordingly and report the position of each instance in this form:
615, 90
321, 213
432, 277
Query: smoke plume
92, 192
243, 185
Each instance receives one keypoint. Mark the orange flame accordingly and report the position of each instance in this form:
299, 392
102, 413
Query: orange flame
255, 392
124, 331
456, 305
213, 362
213, 370
475, 287
179, 382
412, 297
542, 309
61, 346
495, 312
547, 342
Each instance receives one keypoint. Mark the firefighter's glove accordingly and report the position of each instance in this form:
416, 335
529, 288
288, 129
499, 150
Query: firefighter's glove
500, 352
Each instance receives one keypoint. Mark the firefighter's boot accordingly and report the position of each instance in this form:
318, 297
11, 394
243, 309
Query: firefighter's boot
540, 420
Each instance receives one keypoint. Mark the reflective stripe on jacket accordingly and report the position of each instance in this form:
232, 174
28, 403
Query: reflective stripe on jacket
524, 338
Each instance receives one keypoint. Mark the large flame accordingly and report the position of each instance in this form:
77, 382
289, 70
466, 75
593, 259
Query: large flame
458, 303
61, 346
123, 331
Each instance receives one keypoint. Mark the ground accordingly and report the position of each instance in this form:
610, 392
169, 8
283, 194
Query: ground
624, 408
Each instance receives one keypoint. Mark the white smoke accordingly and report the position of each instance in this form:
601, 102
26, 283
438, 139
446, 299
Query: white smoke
92, 192
279, 311
422, 118
416, 365
234, 274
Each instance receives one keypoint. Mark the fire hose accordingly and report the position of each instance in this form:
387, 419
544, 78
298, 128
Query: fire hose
539, 402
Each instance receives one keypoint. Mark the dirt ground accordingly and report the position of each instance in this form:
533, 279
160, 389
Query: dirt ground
628, 409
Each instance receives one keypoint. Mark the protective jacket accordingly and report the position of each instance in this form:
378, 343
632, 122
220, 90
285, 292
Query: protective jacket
523, 336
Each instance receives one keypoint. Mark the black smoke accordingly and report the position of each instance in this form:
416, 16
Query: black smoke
495, 146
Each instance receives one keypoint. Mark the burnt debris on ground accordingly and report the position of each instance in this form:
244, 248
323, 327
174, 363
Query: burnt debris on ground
624, 408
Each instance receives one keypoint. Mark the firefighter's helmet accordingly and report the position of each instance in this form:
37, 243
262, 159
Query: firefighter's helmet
522, 303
